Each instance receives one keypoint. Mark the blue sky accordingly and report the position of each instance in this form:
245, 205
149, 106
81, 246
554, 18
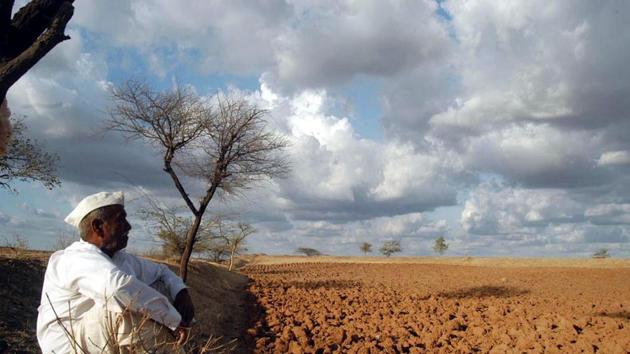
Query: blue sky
498, 125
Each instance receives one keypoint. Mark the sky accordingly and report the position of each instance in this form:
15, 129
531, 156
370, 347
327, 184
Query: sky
501, 125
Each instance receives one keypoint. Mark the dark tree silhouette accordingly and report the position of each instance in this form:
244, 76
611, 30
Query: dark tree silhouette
26, 38
308, 251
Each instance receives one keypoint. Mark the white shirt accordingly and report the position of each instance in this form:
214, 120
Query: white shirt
82, 276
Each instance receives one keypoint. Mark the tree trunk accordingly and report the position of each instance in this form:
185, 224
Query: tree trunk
5, 127
38, 32
232, 258
190, 241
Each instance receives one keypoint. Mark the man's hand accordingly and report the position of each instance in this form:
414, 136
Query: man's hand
182, 334
184, 305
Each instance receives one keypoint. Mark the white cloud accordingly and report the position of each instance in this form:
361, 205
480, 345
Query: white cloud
536, 155
331, 42
336, 172
610, 214
235, 36
532, 92
4, 219
493, 208
614, 158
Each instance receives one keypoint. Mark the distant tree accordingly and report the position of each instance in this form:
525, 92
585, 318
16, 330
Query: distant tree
34, 30
440, 246
366, 247
308, 251
64, 240
235, 240
601, 253
25, 161
171, 228
18, 244
217, 251
228, 239
223, 143
390, 247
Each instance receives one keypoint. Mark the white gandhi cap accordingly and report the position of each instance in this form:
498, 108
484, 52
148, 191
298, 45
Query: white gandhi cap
93, 202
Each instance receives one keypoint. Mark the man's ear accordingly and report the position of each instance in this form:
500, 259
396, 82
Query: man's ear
97, 227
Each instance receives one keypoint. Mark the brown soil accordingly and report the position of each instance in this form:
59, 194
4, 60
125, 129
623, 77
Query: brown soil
439, 308
21, 279
220, 299
503, 262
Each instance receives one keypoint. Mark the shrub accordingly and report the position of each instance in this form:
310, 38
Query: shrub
390, 247
440, 246
308, 251
601, 253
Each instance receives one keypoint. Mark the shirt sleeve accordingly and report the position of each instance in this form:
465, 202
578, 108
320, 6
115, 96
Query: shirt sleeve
100, 280
150, 272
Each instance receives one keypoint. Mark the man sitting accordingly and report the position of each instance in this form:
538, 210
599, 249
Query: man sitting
97, 298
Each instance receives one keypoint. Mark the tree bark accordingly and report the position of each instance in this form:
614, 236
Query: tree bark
168, 157
232, 251
17, 66
190, 240
5, 127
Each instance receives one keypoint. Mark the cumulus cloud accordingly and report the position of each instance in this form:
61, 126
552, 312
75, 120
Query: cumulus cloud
532, 93
614, 158
552, 221
217, 36
332, 41
494, 208
609, 214
340, 175
537, 60
64, 102
536, 156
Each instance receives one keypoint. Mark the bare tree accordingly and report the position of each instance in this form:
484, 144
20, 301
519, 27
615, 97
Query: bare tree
390, 247
225, 144
33, 31
172, 228
308, 251
217, 250
65, 239
25, 161
440, 246
366, 247
235, 241
228, 239
220, 230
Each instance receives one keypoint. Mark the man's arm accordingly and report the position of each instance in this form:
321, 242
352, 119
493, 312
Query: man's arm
109, 286
184, 305
150, 272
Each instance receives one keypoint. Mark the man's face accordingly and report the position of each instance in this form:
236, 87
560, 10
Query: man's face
115, 231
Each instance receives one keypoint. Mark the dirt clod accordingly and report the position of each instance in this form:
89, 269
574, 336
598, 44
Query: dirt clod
428, 308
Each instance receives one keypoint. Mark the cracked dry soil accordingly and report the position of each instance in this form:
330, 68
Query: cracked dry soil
424, 308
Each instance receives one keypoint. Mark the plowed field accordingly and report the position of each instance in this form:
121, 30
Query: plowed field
429, 308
